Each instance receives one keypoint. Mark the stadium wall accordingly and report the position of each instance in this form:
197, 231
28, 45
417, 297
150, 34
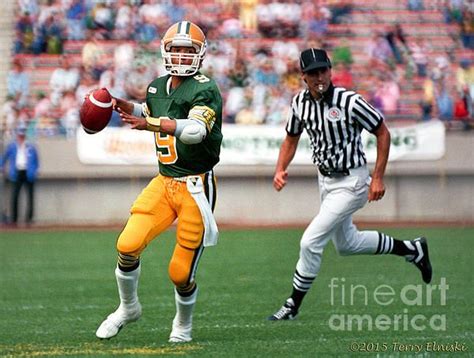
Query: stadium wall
69, 192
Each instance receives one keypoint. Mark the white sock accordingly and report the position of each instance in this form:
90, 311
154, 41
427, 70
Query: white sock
185, 307
127, 283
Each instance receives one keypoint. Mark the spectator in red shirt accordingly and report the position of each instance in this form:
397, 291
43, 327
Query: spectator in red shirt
342, 76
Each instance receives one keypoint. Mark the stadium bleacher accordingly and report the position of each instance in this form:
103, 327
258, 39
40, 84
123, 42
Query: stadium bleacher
359, 26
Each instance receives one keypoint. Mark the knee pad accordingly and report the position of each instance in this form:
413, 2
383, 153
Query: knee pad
183, 265
136, 235
179, 272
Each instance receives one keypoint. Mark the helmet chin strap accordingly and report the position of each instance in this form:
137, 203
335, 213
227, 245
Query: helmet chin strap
184, 70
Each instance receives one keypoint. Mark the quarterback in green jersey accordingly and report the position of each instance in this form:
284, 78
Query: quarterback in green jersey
184, 111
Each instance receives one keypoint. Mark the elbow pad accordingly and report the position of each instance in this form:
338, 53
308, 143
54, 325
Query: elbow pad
190, 131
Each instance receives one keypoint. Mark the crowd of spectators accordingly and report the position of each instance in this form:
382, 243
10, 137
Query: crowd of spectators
396, 58
253, 47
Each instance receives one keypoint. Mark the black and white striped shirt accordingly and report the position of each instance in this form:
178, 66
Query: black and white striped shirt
334, 124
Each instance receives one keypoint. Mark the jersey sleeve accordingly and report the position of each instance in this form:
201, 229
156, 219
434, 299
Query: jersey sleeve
364, 113
206, 107
294, 125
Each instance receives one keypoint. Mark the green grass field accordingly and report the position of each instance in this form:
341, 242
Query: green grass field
56, 287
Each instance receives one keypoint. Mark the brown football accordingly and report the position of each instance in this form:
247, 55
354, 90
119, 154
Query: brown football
96, 111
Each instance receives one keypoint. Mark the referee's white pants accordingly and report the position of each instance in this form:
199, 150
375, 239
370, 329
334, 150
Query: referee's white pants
340, 198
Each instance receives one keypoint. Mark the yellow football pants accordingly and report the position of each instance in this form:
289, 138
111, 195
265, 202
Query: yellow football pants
163, 201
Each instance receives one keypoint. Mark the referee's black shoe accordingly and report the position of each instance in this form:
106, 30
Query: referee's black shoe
421, 259
287, 312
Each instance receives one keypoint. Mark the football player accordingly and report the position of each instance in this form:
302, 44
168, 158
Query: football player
184, 111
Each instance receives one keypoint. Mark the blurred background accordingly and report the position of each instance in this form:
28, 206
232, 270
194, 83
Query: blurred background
412, 59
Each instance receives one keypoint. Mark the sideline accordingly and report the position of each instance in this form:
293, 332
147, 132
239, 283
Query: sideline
231, 226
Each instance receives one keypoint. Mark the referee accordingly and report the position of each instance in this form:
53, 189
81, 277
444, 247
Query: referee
334, 118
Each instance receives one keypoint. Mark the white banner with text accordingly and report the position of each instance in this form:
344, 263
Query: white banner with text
255, 145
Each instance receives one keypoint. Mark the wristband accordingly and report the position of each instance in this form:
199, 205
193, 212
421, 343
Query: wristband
153, 124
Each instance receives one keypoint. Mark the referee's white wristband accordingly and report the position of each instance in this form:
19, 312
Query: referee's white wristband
137, 110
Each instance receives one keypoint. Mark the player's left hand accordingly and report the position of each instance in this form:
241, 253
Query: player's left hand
135, 122
376, 189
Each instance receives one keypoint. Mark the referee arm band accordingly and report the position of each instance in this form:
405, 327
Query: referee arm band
292, 134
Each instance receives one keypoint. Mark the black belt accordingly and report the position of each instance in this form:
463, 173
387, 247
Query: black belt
334, 173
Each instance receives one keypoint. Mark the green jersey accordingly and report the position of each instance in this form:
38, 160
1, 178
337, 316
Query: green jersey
198, 98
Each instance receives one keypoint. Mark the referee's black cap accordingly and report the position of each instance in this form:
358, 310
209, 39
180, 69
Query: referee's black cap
313, 58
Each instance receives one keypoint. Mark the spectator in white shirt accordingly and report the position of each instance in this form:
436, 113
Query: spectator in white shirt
63, 79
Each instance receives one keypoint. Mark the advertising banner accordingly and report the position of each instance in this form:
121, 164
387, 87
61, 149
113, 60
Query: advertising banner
255, 145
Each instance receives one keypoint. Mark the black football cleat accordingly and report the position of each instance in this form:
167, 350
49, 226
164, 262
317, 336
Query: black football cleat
287, 312
421, 259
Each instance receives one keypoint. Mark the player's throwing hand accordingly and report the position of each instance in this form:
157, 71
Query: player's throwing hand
135, 122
